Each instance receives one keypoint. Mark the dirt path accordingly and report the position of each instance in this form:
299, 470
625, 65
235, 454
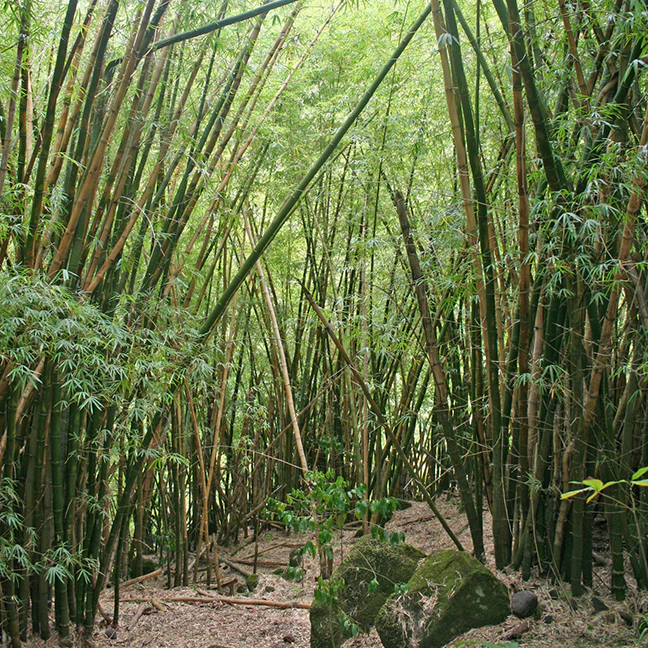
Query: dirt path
150, 618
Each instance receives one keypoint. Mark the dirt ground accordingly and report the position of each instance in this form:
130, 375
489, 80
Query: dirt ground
150, 617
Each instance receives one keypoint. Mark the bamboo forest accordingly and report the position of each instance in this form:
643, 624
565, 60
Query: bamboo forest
323, 323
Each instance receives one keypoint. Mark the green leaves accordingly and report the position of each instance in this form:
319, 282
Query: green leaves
639, 474
595, 486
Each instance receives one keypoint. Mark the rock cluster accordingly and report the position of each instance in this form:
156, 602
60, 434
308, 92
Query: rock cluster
446, 594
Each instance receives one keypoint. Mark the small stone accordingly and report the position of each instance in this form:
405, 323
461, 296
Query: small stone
289, 639
598, 605
627, 617
554, 594
524, 603
111, 632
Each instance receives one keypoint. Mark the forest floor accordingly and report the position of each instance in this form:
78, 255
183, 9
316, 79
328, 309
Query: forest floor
149, 616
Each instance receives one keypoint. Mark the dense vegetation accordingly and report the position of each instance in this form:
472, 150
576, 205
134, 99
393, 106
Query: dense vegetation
397, 241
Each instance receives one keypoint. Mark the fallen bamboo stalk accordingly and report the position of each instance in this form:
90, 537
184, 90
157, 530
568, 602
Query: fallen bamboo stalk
233, 565
230, 600
292, 545
263, 563
146, 605
157, 604
141, 579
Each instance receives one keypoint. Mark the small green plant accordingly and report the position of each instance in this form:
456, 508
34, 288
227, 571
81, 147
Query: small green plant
595, 486
643, 628
327, 592
322, 507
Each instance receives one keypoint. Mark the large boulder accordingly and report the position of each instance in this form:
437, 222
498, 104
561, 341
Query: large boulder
450, 593
358, 589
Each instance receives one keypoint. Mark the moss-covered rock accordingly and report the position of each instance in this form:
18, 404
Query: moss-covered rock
450, 593
252, 580
360, 586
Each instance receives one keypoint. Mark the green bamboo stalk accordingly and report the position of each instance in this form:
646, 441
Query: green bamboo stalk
48, 130
501, 526
292, 200
219, 24
58, 498
552, 165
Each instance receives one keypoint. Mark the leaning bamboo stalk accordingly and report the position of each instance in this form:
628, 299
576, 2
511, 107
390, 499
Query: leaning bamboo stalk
204, 528
280, 351
190, 186
13, 96
89, 184
441, 387
524, 285
124, 163
603, 355
246, 144
290, 202
67, 119
91, 283
254, 91
381, 419
29, 252
87, 100
219, 24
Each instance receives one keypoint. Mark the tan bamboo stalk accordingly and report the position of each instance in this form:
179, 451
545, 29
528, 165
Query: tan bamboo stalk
89, 80
573, 49
204, 527
27, 118
13, 96
375, 408
216, 427
604, 350
365, 367
283, 86
89, 184
123, 164
204, 175
67, 119
91, 283
280, 351
462, 157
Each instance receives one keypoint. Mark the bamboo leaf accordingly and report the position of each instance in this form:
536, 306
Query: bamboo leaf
594, 484
573, 493
592, 496
640, 473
